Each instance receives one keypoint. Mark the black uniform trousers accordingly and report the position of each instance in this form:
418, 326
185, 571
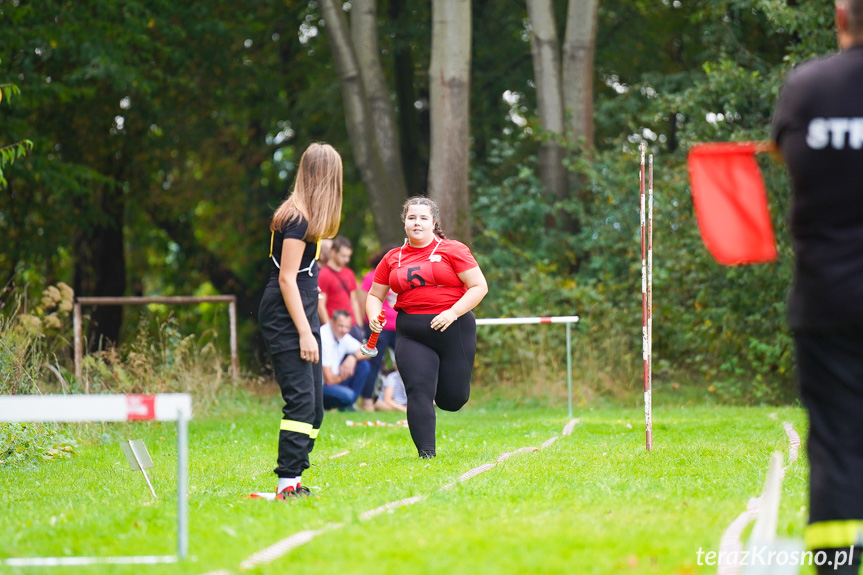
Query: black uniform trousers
435, 367
830, 374
300, 381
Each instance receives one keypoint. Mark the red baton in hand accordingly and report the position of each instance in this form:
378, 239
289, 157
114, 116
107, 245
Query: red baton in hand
369, 348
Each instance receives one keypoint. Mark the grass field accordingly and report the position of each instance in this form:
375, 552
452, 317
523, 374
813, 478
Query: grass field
590, 502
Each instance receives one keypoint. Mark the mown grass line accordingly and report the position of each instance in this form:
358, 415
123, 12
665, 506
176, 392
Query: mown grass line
593, 502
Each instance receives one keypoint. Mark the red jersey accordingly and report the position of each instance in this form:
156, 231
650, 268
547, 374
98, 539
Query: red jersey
426, 279
338, 285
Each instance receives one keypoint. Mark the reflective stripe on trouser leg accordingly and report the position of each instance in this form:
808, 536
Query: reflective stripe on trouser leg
299, 427
299, 381
834, 534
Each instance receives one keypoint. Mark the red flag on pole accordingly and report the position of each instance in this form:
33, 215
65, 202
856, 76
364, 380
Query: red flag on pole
731, 202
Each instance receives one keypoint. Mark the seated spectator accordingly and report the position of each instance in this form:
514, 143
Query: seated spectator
387, 336
344, 365
393, 396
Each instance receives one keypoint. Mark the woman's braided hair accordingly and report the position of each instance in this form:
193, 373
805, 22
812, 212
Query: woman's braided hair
435, 212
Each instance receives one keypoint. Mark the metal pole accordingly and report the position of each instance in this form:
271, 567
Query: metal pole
649, 391
645, 354
182, 483
232, 316
76, 323
569, 365
141, 467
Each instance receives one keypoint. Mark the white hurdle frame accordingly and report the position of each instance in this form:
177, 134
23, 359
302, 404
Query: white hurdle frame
567, 319
105, 408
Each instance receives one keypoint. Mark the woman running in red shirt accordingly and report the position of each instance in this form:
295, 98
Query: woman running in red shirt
438, 283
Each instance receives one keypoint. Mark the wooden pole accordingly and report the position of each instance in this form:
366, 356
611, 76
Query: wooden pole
232, 317
76, 323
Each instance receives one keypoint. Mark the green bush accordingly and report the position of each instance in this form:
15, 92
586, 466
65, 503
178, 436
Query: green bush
716, 330
28, 443
168, 362
34, 340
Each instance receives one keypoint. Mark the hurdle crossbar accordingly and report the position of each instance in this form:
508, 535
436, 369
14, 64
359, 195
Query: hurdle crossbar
105, 408
567, 319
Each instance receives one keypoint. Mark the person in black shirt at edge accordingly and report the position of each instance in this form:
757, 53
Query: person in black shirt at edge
288, 312
818, 128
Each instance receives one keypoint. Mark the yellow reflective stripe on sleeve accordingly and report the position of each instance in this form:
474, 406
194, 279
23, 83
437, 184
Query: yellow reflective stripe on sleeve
830, 534
272, 235
298, 426
314, 433
318, 251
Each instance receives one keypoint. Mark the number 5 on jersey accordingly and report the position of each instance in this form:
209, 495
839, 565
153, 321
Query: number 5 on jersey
413, 274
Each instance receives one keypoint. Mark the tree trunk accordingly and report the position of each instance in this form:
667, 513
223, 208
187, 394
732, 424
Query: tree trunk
100, 270
449, 81
384, 199
578, 52
545, 49
364, 28
414, 166
565, 107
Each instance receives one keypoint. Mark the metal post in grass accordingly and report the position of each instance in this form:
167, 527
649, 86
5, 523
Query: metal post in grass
650, 297
569, 366
182, 484
646, 298
139, 459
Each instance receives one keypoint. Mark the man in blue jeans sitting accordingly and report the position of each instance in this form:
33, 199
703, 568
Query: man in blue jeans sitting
345, 368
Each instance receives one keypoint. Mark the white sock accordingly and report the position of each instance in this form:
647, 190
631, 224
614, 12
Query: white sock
288, 482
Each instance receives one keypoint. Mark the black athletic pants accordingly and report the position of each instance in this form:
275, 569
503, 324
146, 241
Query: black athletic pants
830, 373
436, 367
300, 381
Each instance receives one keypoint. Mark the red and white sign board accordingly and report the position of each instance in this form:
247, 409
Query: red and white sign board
108, 407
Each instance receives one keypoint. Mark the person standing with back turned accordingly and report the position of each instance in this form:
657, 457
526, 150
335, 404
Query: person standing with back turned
288, 313
438, 283
818, 128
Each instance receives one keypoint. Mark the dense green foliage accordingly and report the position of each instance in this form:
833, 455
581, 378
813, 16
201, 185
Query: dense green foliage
22, 444
11, 151
670, 74
164, 133
593, 502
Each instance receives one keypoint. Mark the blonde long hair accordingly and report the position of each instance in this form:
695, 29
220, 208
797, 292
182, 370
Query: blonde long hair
317, 194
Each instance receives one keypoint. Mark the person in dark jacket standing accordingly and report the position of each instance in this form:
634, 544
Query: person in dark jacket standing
288, 312
818, 128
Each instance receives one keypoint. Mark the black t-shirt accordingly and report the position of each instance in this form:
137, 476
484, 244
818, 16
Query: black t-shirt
818, 126
307, 277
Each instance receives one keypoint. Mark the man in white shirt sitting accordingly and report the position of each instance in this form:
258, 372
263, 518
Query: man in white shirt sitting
345, 371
